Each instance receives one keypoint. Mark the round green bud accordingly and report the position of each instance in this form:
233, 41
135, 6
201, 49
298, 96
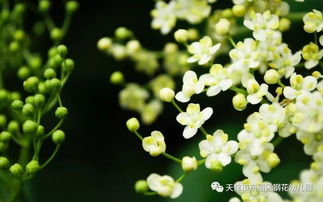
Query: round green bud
5, 13
4, 96
44, 6
181, 35
117, 77
5, 136
58, 60
32, 167
50, 73
141, 186
4, 162
104, 43
216, 166
239, 102
19, 8
31, 84
14, 46
71, 6
55, 84
123, 33
52, 52
39, 100
23, 73
28, 110
271, 76
17, 104
56, 34
30, 100
239, 10
19, 35
40, 131
68, 65
16, 170
3, 120
61, 112
62, 50
13, 127
42, 88
35, 63
29, 127
58, 137
133, 124
3, 146
15, 95
223, 26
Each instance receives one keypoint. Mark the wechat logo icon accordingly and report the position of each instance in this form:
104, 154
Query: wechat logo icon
217, 187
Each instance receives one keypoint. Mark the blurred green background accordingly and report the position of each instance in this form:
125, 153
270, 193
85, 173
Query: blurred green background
101, 160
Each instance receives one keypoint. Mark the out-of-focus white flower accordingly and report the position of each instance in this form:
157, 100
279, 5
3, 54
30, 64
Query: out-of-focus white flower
193, 11
203, 51
311, 141
218, 79
191, 86
263, 25
164, 185
217, 148
193, 119
313, 21
151, 111
312, 54
154, 144
164, 16
133, 97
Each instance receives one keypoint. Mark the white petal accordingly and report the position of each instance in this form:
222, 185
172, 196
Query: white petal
253, 99
180, 96
225, 159
207, 113
153, 181
310, 64
289, 92
177, 191
183, 118
226, 84
213, 90
321, 40
189, 132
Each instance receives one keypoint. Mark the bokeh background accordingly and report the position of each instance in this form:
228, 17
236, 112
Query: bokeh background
101, 160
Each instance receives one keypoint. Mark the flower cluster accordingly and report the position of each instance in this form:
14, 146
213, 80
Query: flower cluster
284, 85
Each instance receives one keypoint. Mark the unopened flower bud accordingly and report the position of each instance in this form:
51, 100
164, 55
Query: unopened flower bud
271, 76
50, 73
284, 24
239, 102
123, 33
39, 100
16, 170
5, 136
32, 167
141, 186
223, 26
31, 84
17, 105
133, 124
273, 160
58, 137
239, 10
4, 162
56, 34
28, 110
181, 35
117, 77
29, 127
44, 6
104, 44
62, 50
23, 73
13, 127
61, 112
193, 34
166, 94
71, 6
189, 164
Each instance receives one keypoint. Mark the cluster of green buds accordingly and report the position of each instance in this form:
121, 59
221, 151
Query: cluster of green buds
30, 89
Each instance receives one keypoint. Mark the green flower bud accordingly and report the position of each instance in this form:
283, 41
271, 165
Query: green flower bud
39, 100
123, 33
239, 10
58, 60
3, 120
23, 73
17, 105
104, 44
52, 52
62, 50
31, 84
61, 112
3, 96
19, 8
19, 35
71, 6
13, 127
42, 88
117, 77
4, 162
50, 73
239, 102
28, 110
29, 127
68, 65
15, 96
55, 84
16, 170
40, 131
216, 166
14, 46
56, 34
141, 186
32, 167
5, 136
58, 137
44, 6
30, 100
271, 76
133, 124
181, 35
3, 146
35, 62
223, 26
166, 94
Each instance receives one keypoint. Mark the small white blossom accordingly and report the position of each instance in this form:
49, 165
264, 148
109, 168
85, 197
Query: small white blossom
154, 144
193, 119
311, 141
313, 21
191, 86
311, 54
299, 85
203, 51
164, 185
164, 17
255, 91
217, 148
193, 11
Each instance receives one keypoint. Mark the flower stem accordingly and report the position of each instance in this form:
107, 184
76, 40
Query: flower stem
203, 131
172, 157
181, 177
232, 42
138, 135
176, 106
238, 90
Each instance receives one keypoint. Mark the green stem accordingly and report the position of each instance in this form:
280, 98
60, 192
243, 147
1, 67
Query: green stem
238, 90
203, 131
281, 84
172, 157
176, 106
181, 177
54, 129
297, 16
277, 141
51, 157
232, 42
138, 135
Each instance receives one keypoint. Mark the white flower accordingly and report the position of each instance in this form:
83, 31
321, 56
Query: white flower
299, 85
263, 25
273, 114
313, 21
311, 54
203, 51
311, 141
217, 148
193, 119
191, 86
164, 16
189, 164
194, 11
133, 97
255, 91
218, 79
154, 144
164, 185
